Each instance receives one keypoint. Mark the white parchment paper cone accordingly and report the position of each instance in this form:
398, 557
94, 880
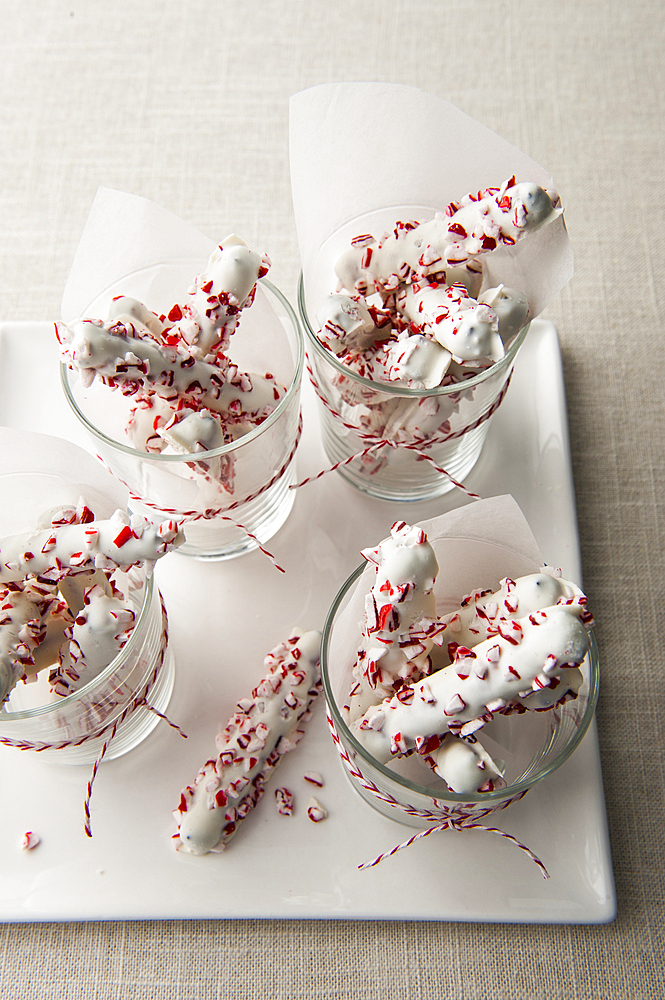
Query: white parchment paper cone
131, 246
359, 148
476, 545
124, 233
38, 472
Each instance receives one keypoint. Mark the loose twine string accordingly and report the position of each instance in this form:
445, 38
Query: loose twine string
221, 513
140, 700
418, 445
459, 820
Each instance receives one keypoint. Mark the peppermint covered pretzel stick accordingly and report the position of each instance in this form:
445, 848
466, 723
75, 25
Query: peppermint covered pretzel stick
226, 286
477, 224
483, 613
532, 662
399, 626
114, 353
119, 542
264, 727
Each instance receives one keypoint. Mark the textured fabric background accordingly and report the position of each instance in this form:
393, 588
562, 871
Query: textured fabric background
186, 102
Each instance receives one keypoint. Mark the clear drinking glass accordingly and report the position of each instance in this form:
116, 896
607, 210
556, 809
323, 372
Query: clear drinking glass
73, 729
532, 745
218, 524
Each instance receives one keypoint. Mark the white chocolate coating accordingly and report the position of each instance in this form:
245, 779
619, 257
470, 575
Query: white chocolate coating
542, 650
226, 286
113, 352
465, 766
398, 625
97, 635
345, 324
468, 329
482, 613
263, 728
61, 602
511, 308
119, 542
418, 361
476, 225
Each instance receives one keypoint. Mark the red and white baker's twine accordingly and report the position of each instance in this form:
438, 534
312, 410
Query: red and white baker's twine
460, 819
222, 512
418, 445
138, 701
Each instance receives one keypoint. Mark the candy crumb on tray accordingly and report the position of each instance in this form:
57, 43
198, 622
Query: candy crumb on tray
316, 811
284, 801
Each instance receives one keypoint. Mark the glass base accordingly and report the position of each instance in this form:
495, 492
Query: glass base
241, 531
401, 475
132, 731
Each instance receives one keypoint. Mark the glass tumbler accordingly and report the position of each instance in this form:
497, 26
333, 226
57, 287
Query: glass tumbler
115, 705
218, 523
380, 423
532, 745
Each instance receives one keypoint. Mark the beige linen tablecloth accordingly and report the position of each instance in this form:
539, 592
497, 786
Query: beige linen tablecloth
186, 103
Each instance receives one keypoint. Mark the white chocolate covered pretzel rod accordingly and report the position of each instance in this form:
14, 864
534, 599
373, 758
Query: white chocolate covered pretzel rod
119, 542
60, 603
113, 352
226, 286
264, 727
484, 613
476, 225
533, 663
399, 623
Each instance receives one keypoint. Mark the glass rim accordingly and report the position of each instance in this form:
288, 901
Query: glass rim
395, 390
226, 449
43, 711
445, 794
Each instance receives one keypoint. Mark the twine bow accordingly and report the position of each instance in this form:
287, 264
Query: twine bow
419, 445
459, 820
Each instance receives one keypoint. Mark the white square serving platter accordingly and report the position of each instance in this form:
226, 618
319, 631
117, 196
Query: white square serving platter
224, 617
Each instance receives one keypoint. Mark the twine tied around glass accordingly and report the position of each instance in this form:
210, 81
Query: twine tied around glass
139, 700
458, 819
220, 513
420, 446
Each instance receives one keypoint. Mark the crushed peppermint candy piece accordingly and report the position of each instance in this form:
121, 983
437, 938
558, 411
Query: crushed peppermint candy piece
316, 811
284, 801
30, 840
314, 778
